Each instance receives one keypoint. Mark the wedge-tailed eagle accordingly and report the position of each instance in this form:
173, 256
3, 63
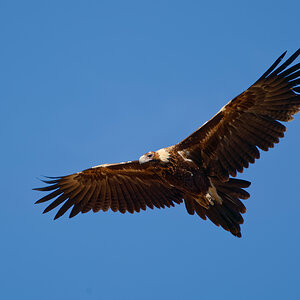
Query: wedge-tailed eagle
199, 169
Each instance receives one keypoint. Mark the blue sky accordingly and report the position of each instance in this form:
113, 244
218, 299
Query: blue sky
90, 82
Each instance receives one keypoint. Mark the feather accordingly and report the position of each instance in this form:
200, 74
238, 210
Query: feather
274, 65
100, 199
137, 198
55, 203
49, 197
114, 205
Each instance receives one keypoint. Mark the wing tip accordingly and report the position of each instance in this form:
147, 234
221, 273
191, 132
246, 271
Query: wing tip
238, 235
46, 210
273, 70
56, 217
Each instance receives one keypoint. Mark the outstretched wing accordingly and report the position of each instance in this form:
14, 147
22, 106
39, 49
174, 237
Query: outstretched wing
120, 187
228, 142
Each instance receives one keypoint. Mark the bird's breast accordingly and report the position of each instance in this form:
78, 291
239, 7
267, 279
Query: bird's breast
187, 177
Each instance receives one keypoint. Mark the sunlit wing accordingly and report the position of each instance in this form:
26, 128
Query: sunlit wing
229, 141
119, 187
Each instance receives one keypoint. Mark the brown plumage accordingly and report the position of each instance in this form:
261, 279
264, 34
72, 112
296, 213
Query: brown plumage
197, 169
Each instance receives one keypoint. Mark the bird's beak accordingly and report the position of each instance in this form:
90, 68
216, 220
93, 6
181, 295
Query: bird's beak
143, 159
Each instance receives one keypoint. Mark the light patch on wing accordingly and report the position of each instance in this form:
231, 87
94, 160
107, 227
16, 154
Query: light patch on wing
108, 165
163, 155
212, 193
210, 199
224, 108
182, 154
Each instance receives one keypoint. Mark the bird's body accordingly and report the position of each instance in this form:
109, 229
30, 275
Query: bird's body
200, 168
183, 174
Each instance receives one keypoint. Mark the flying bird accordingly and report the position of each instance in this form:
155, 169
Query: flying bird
197, 170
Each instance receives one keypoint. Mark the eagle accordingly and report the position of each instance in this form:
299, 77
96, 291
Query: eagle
199, 170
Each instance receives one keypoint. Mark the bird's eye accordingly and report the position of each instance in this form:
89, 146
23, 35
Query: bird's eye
150, 155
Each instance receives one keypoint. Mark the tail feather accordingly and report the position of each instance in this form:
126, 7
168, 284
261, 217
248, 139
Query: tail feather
189, 205
228, 212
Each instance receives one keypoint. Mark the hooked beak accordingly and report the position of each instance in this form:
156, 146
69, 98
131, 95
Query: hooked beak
146, 159
143, 159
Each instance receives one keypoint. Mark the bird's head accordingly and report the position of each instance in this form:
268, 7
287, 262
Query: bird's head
161, 155
149, 156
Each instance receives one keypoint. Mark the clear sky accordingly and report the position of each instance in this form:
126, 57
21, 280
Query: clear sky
91, 82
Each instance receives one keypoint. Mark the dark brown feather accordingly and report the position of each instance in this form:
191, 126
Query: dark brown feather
189, 205
56, 202
107, 198
96, 201
136, 196
115, 198
129, 204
